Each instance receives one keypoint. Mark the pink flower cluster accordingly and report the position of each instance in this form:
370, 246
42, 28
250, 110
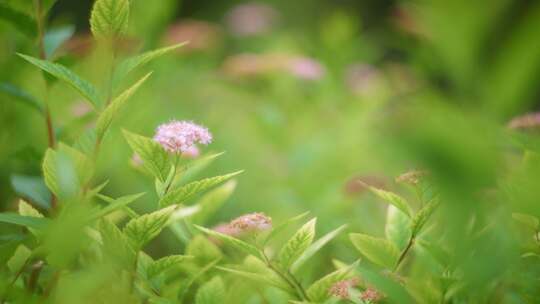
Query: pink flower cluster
253, 222
341, 288
182, 137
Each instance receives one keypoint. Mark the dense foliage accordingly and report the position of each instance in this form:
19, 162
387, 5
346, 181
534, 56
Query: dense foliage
100, 209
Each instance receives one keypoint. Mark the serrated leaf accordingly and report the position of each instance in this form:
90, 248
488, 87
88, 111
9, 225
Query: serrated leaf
85, 88
257, 277
146, 227
527, 220
21, 95
19, 258
297, 244
394, 199
32, 188
233, 242
318, 291
115, 204
377, 250
66, 170
86, 142
422, 216
315, 247
130, 64
83, 165
211, 292
279, 228
212, 201
26, 221
54, 38
154, 158
179, 195
165, 263
194, 167
22, 22
109, 18
26, 209
107, 116
397, 228
116, 245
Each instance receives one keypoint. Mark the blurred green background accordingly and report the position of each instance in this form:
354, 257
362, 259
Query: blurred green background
308, 97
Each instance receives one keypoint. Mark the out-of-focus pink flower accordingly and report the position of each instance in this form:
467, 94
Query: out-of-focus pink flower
226, 229
192, 152
251, 19
412, 177
357, 184
527, 121
361, 77
253, 222
80, 108
200, 35
341, 288
181, 136
136, 160
371, 295
306, 68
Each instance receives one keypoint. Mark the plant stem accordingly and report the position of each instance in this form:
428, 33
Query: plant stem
34, 276
292, 282
404, 253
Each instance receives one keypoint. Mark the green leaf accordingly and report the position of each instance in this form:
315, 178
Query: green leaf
146, 227
130, 64
185, 288
154, 158
279, 228
527, 220
21, 96
297, 244
393, 199
231, 241
32, 188
211, 292
422, 216
50, 171
27, 221
22, 22
109, 18
377, 250
19, 258
315, 247
55, 38
106, 117
26, 209
203, 249
179, 195
212, 201
318, 291
115, 204
165, 263
397, 228
116, 245
86, 89
258, 277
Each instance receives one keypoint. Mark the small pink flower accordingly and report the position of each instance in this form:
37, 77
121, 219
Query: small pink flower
136, 160
251, 19
253, 222
192, 152
527, 121
306, 68
199, 35
340, 289
226, 229
80, 109
371, 295
181, 136
412, 177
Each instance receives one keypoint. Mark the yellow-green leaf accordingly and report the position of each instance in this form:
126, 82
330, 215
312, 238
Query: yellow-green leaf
379, 251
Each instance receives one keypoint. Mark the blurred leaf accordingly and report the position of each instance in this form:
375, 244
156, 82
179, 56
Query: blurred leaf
19, 258
423, 216
86, 142
211, 292
86, 89
397, 228
315, 247
32, 188
180, 195
154, 158
27, 221
233, 242
22, 22
115, 204
26, 209
279, 228
146, 227
106, 117
21, 95
257, 277
54, 38
197, 165
130, 64
165, 263
527, 220
377, 250
203, 249
297, 244
185, 287
116, 244
109, 18
318, 291
393, 199
385, 284
212, 201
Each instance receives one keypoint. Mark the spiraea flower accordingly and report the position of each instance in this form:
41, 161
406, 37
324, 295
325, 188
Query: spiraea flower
371, 295
306, 68
524, 122
412, 177
181, 136
341, 288
251, 19
253, 222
